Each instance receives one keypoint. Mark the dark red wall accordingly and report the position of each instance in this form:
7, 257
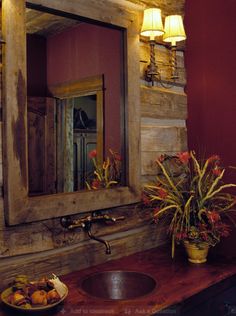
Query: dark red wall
80, 52
211, 82
36, 65
88, 50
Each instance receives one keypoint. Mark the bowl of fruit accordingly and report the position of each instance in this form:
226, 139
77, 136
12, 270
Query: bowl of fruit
35, 295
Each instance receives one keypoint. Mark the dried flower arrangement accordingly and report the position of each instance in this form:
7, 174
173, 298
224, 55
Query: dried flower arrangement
190, 194
106, 174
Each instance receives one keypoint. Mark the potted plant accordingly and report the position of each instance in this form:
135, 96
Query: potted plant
190, 194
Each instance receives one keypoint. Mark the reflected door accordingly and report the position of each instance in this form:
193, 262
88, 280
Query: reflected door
41, 146
83, 166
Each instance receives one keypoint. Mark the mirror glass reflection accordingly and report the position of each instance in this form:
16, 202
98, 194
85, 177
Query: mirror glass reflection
75, 98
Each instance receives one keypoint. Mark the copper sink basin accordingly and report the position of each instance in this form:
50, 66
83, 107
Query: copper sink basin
118, 285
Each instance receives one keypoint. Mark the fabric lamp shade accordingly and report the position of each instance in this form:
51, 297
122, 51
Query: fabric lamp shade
174, 29
152, 23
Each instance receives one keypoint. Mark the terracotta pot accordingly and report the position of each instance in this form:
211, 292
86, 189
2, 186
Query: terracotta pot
197, 252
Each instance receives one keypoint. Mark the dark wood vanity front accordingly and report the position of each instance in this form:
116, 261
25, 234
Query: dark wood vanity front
182, 288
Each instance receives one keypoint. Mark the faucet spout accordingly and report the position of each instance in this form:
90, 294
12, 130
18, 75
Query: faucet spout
86, 224
106, 243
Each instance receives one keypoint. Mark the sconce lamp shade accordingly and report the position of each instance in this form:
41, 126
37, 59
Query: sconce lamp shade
174, 29
152, 23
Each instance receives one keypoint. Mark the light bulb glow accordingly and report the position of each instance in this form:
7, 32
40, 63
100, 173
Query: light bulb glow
174, 29
152, 23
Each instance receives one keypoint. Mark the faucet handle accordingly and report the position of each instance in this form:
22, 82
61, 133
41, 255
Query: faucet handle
105, 217
115, 219
68, 223
86, 222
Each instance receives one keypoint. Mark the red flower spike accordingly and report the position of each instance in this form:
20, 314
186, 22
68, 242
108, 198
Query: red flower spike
95, 184
178, 236
214, 159
184, 157
213, 216
204, 235
161, 158
145, 200
92, 154
202, 226
156, 211
162, 193
216, 171
117, 157
181, 236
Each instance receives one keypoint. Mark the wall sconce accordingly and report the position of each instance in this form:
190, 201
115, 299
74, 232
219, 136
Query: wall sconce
172, 32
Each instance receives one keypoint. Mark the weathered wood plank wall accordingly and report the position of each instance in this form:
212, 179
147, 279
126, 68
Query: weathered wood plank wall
163, 112
45, 246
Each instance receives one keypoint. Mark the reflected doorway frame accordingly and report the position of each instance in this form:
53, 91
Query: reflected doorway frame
93, 85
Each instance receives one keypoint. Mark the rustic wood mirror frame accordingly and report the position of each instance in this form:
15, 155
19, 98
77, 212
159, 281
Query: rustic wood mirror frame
19, 207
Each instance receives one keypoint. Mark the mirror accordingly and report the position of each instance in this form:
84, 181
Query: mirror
19, 205
75, 97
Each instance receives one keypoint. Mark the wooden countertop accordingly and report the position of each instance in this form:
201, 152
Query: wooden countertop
177, 280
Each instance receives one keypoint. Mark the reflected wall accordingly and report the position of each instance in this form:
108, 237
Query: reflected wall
82, 51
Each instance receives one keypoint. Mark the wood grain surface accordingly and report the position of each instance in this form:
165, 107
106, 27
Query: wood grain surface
177, 280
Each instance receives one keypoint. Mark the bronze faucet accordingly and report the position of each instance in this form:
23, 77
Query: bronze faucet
86, 224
